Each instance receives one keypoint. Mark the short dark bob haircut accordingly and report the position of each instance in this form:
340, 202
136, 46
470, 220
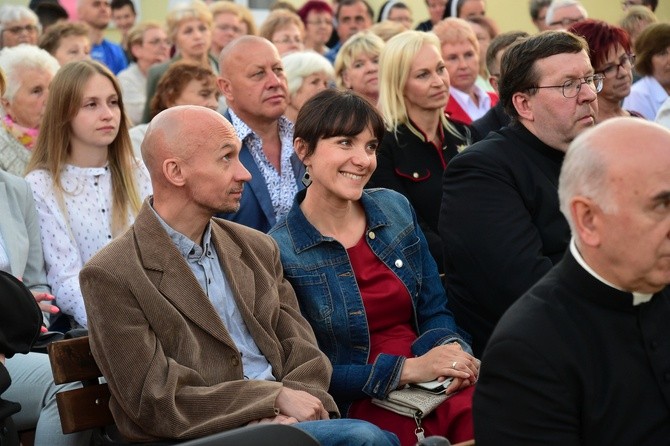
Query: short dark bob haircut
335, 112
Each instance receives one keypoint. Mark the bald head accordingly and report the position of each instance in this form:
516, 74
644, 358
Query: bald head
181, 132
238, 48
615, 191
609, 149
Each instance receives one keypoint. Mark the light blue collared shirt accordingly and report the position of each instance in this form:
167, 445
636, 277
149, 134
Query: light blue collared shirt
206, 267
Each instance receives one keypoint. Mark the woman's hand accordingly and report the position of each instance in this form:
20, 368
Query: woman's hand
440, 363
43, 300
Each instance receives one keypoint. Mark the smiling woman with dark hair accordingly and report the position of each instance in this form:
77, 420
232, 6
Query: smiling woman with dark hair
364, 278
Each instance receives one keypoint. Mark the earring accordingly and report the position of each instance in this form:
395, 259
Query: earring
306, 179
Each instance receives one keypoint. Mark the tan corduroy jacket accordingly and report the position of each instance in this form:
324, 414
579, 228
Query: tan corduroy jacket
173, 369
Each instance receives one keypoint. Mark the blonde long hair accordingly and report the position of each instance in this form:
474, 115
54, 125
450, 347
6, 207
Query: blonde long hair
395, 63
53, 148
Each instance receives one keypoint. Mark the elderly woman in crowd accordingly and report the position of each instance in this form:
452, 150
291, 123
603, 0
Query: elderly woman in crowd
486, 30
317, 16
611, 55
436, 10
420, 140
357, 65
189, 28
635, 20
364, 279
396, 11
183, 83
29, 71
652, 52
21, 256
460, 51
148, 45
228, 25
18, 25
464, 9
285, 30
88, 186
307, 73
66, 41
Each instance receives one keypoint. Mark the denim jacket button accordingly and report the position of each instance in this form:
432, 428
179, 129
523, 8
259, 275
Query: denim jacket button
371, 235
398, 263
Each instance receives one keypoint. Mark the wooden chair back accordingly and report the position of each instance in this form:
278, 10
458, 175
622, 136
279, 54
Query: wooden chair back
87, 407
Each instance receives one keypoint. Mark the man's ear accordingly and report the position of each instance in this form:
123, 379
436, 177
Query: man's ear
173, 172
225, 88
523, 105
586, 220
300, 146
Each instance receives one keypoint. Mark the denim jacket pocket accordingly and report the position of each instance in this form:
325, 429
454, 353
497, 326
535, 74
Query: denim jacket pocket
316, 305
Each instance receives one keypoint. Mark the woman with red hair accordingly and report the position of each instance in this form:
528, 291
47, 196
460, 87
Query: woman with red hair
611, 55
317, 16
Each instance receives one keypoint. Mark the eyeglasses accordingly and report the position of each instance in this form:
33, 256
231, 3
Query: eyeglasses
626, 61
566, 22
30, 29
572, 87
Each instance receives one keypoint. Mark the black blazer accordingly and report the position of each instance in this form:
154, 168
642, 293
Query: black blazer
500, 224
413, 166
493, 120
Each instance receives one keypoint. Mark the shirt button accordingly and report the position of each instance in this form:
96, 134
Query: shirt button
398, 263
415, 175
371, 235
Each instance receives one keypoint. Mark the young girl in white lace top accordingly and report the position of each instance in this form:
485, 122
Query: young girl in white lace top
87, 185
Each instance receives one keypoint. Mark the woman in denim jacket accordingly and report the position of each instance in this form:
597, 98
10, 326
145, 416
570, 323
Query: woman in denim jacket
364, 277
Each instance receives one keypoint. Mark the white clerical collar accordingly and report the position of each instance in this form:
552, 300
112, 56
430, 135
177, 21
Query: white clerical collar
638, 298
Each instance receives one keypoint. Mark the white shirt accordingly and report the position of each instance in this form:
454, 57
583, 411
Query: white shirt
69, 241
663, 115
646, 97
475, 111
134, 89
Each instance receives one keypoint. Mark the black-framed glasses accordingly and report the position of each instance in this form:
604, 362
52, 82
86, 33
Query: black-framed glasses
571, 87
626, 62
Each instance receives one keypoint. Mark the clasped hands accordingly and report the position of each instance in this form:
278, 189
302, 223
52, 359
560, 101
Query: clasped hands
295, 406
440, 363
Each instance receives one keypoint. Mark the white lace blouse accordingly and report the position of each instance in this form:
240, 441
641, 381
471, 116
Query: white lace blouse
69, 241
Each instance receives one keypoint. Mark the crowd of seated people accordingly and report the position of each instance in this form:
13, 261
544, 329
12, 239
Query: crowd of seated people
401, 182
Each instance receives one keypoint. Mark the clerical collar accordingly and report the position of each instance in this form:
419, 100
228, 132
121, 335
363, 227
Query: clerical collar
638, 298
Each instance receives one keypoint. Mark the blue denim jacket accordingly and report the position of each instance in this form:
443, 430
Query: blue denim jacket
319, 269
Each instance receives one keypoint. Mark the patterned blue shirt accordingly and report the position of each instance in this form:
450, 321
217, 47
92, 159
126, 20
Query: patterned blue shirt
204, 263
281, 186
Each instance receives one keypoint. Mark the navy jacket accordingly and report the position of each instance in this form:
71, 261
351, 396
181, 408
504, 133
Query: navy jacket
256, 209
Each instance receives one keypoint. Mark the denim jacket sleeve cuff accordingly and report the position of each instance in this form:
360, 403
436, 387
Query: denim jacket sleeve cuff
385, 375
437, 336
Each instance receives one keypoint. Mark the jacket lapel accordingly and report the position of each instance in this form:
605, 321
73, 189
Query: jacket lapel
174, 279
13, 238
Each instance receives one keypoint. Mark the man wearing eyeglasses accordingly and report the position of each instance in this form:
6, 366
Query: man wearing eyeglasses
500, 221
562, 14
